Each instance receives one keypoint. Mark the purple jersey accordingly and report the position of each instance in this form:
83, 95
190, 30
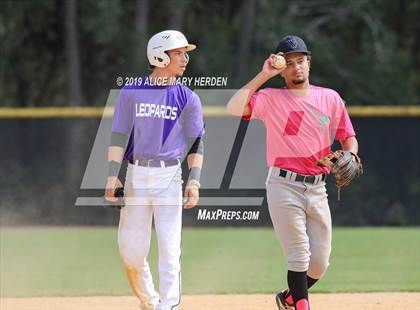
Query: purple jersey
158, 119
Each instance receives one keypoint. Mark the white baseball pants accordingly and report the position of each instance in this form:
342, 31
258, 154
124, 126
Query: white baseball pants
152, 193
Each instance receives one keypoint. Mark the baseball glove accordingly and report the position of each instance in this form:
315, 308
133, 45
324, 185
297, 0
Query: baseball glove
343, 166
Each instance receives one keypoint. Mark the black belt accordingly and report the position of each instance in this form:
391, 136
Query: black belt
154, 162
310, 179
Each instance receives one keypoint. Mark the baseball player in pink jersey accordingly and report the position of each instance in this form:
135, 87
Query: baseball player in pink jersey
302, 122
156, 123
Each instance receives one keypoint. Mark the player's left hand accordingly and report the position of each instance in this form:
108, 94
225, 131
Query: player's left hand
344, 165
191, 197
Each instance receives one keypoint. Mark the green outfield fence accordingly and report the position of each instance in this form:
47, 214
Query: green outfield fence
46, 150
211, 111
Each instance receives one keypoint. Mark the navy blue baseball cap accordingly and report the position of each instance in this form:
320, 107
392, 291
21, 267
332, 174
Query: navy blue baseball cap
292, 44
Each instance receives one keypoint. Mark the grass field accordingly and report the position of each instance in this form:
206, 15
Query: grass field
85, 261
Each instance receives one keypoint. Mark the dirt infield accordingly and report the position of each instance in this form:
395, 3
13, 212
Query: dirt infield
367, 301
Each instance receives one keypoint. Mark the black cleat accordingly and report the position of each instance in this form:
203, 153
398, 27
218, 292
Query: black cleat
281, 302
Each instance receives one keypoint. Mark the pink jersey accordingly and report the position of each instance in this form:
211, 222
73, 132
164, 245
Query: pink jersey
300, 129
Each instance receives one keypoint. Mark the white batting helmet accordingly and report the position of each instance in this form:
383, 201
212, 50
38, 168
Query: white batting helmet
165, 41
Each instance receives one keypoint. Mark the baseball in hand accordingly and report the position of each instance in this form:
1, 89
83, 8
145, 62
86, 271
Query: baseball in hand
279, 62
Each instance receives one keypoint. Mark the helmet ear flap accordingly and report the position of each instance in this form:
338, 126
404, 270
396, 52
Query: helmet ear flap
161, 60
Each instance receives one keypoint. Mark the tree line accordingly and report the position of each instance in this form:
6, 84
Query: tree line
70, 52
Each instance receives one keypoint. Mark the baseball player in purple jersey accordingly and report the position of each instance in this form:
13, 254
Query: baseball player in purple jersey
302, 121
155, 123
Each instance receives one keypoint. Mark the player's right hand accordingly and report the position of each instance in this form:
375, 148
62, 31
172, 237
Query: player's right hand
268, 68
111, 184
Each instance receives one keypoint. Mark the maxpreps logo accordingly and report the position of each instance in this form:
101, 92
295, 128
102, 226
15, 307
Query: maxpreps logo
156, 110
